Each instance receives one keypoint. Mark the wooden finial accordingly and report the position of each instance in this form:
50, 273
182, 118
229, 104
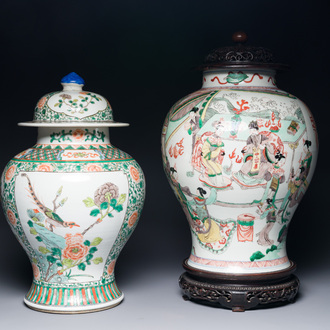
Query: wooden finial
239, 36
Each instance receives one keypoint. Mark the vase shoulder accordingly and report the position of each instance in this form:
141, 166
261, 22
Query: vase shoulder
73, 153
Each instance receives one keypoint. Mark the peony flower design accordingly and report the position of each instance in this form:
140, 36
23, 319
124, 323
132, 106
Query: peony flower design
106, 201
94, 168
11, 217
101, 193
132, 219
111, 267
45, 168
10, 172
41, 102
75, 248
62, 254
65, 96
79, 104
78, 134
134, 173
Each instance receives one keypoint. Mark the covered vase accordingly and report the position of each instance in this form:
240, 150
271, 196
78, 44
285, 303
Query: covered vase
239, 154
72, 200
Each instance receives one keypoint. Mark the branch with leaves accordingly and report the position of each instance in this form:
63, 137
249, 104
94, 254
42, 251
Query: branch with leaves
105, 209
95, 135
79, 104
62, 202
62, 136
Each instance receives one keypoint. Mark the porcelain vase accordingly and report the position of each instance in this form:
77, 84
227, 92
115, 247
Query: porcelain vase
239, 154
73, 200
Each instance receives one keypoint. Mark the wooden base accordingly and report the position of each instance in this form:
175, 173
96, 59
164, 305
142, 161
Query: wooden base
239, 292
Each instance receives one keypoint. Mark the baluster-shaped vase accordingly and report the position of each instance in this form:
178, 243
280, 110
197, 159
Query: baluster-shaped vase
72, 200
239, 154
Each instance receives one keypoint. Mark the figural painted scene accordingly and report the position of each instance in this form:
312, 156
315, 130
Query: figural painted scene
239, 161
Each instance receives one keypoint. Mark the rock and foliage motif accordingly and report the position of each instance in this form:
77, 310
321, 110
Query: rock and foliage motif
60, 254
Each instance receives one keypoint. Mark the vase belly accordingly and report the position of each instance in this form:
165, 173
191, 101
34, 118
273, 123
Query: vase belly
239, 159
73, 206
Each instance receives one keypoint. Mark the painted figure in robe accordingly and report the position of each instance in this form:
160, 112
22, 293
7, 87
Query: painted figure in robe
259, 154
298, 182
208, 155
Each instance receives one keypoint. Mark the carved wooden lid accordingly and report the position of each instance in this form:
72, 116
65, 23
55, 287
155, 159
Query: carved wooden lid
241, 56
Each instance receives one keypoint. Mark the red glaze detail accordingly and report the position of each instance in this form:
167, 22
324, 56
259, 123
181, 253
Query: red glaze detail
256, 74
216, 78
271, 79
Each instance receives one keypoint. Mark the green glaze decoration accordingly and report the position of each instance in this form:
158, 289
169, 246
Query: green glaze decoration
72, 201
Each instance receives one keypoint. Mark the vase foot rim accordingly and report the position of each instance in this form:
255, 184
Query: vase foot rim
277, 274
74, 309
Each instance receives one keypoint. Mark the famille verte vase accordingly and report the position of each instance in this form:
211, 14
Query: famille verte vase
73, 200
239, 154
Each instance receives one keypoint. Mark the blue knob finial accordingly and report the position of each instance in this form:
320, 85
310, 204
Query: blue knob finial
73, 78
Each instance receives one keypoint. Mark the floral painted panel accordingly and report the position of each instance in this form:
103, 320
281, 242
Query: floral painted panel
73, 106
83, 214
65, 223
79, 104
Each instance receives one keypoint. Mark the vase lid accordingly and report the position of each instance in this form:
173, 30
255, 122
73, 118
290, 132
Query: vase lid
73, 107
241, 56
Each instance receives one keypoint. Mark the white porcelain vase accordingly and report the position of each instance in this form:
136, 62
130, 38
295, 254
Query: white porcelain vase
72, 200
239, 154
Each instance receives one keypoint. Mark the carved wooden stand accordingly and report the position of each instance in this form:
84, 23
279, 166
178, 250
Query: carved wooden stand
239, 292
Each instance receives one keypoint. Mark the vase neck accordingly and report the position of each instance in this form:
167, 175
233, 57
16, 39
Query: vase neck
73, 136
239, 78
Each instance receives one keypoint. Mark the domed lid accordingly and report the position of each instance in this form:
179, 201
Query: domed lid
241, 56
73, 107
